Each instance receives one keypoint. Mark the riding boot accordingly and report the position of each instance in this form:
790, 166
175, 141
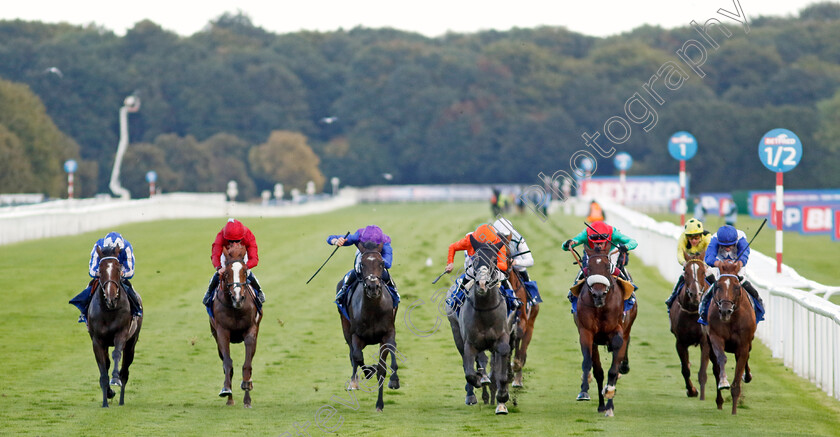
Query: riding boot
392, 287
208, 296
759, 315
704, 306
674, 293
349, 281
133, 299
256, 285
524, 275
82, 301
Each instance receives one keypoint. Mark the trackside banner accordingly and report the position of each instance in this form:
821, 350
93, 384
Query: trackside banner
662, 191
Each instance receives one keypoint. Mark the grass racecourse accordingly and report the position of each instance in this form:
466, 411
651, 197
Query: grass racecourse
50, 379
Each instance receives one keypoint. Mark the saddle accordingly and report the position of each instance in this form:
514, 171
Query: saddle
626, 287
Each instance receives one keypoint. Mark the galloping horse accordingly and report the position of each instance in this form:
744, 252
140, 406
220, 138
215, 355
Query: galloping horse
601, 320
236, 319
372, 315
110, 324
483, 324
525, 318
731, 328
684, 326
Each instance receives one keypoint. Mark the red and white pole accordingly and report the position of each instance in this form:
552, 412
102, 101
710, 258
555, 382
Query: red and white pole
622, 178
683, 207
70, 185
780, 207
151, 189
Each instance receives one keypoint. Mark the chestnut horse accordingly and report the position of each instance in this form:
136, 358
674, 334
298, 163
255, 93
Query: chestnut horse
371, 321
236, 319
110, 324
731, 328
600, 320
684, 326
525, 318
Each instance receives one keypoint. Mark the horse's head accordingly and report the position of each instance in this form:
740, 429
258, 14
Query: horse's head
110, 275
599, 277
235, 282
234, 250
484, 266
727, 290
372, 269
694, 272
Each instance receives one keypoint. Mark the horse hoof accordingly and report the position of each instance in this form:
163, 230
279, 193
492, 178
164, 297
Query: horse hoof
724, 385
115, 382
471, 400
485, 380
583, 396
369, 371
609, 392
247, 405
747, 377
225, 392
378, 410
516, 384
111, 393
692, 393
501, 409
394, 385
609, 413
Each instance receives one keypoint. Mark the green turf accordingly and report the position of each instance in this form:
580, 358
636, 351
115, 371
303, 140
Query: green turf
50, 383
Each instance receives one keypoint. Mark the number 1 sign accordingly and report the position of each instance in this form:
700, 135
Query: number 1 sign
779, 150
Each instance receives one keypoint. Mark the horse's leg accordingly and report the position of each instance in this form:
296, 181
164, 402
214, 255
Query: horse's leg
618, 346
470, 399
247, 382
128, 358
741, 358
716, 370
381, 369
482, 368
718, 346
394, 381
685, 366
522, 351
501, 363
598, 372
586, 348
624, 367
704, 363
469, 364
223, 343
116, 354
100, 352
358, 357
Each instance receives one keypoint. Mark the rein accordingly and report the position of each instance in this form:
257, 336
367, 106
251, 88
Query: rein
471, 300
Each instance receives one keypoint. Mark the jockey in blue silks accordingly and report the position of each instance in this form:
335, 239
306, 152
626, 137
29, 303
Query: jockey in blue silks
725, 246
126, 259
374, 235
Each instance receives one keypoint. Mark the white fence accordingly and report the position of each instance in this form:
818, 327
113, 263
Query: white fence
71, 217
800, 327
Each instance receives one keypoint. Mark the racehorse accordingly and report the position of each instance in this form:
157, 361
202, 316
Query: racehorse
525, 318
235, 319
684, 326
110, 324
601, 320
731, 328
483, 325
371, 321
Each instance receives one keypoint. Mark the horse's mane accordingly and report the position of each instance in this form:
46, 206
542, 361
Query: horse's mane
110, 251
369, 245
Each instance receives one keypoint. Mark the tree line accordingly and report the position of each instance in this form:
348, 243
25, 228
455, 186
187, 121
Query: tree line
234, 101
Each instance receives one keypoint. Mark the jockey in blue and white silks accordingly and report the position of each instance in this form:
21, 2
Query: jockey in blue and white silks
729, 245
126, 259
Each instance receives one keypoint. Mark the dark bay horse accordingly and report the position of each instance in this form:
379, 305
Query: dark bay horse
684, 326
110, 324
235, 319
483, 325
372, 316
731, 328
525, 318
600, 320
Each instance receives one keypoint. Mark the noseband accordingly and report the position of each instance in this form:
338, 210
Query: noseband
230, 285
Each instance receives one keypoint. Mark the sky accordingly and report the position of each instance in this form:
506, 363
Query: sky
428, 17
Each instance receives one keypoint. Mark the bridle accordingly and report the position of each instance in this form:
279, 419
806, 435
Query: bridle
371, 277
737, 287
104, 282
698, 280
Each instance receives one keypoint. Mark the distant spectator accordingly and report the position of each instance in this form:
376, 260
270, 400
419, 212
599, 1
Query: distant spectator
699, 210
731, 213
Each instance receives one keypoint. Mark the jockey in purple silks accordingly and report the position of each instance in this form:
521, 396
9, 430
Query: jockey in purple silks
372, 234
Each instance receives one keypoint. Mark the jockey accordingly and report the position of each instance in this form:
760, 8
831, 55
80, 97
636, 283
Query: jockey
233, 232
126, 259
522, 259
483, 234
367, 234
693, 241
602, 236
596, 213
724, 247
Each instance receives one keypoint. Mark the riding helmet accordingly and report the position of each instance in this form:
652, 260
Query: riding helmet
694, 227
599, 232
234, 230
486, 234
727, 235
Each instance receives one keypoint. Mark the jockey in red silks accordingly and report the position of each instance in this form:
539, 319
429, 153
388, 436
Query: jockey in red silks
233, 232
